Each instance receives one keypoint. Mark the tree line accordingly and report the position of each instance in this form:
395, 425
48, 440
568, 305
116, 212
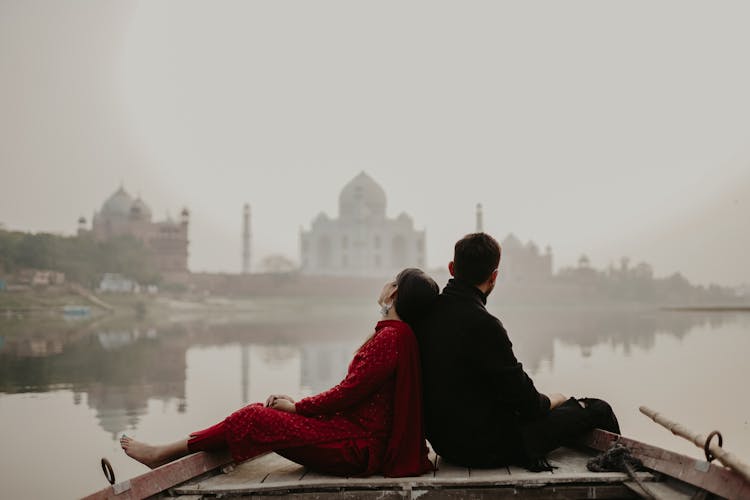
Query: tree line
83, 259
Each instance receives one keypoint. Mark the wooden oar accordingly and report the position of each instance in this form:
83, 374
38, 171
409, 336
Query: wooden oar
725, 457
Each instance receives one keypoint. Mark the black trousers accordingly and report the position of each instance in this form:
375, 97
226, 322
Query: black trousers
527, 443
563, 425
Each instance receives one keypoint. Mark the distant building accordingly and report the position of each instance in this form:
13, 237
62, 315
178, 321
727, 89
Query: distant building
246, 235
362, 241
524, 264
123, 215
117, 283
40, 277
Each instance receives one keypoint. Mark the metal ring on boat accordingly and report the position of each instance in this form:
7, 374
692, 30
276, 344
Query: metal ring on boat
710, 456
108, 472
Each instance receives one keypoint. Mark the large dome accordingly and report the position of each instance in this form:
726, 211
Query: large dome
362, 197
118, 204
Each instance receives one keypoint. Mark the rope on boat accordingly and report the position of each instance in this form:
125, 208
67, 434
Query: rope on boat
618, 458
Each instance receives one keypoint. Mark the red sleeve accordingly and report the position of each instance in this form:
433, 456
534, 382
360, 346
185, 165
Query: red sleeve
370, 368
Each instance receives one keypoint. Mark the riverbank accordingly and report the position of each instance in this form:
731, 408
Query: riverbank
56, 305
72, 300
58, 301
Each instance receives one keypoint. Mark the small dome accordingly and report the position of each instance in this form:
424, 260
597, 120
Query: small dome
362, 197
405, 219
118, 204
511, 241
583, 261
140, 210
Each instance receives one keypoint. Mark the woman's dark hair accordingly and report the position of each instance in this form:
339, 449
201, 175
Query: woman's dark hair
475, 256
415, 294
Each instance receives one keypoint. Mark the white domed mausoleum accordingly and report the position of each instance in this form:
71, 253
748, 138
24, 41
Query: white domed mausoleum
362, 241
123, 215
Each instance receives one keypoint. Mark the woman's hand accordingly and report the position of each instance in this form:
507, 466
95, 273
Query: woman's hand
283, 405
275, 397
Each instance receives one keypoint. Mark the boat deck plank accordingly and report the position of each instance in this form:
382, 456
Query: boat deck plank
273, 473
285, 472
570, 461
447, 470
667, 490
488, 474
202, 474
247, 474
520, 472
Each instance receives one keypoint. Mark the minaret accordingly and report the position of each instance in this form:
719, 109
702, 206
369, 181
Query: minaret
245, 367
480, 221
81, 225
246, 240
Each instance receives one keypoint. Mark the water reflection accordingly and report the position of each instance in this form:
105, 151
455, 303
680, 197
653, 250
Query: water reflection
163, 380
120, 368
534, 331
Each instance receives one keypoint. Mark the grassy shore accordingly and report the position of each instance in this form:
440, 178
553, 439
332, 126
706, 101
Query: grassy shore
52, 302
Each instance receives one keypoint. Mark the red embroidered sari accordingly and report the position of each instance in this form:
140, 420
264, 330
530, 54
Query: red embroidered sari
371, 422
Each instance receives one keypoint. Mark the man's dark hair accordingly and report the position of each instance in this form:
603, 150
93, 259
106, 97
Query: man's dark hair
475, 256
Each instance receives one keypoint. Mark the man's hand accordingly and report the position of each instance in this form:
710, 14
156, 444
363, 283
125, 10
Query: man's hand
276, 397
284, 405
556, 399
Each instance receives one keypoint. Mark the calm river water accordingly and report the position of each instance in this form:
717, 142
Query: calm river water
68, 390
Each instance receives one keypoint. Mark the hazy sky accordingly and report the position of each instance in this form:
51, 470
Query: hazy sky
605, 128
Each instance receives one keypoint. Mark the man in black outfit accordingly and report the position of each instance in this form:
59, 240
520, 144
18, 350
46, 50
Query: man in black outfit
481, 409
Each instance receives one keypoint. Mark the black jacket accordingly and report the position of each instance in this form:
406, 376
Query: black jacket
475, 392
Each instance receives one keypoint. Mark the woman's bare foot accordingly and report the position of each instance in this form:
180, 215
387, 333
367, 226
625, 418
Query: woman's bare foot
153, 456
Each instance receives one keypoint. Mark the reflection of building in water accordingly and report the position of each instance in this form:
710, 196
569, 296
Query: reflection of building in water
269, 369
534, 332
118, 408
123, 215
112, 340
324, 364
246, 239
362, 241
119, 370
134, 367
35, 347
524, 264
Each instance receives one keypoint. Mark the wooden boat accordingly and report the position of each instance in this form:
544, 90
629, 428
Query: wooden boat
668, 475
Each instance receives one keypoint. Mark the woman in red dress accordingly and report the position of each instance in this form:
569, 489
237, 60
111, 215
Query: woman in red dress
370, 423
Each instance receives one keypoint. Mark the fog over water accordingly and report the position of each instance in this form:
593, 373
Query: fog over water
601, 128
608, 129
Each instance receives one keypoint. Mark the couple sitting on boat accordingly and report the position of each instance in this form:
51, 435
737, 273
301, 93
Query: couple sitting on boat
438, 365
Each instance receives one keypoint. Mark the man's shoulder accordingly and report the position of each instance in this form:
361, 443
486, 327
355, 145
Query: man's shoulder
491, 324
447, 309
